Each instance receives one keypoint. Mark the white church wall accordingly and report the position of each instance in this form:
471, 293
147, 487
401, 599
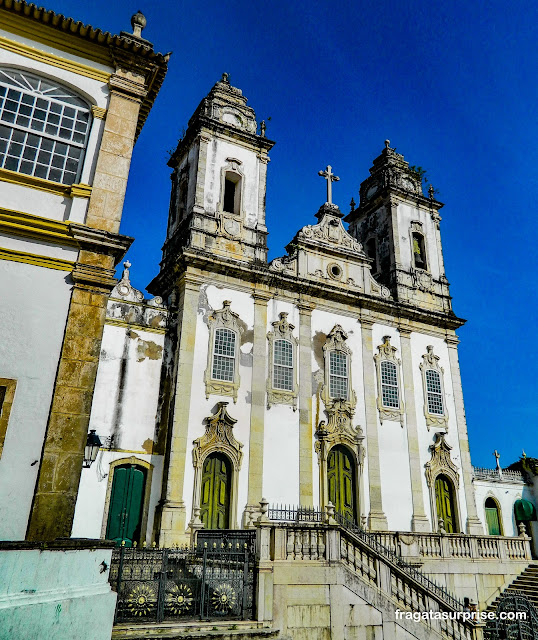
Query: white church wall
217, 154
419, 343
393, 453
505, 494
124, 408
212, 298
16, 243
281, 432
32, 333
406, 215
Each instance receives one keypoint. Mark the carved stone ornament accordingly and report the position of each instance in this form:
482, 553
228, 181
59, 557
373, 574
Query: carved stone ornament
227, 319
431, 362
282, 330
218, 437
330, 230
387, 352
336, 341
440, 462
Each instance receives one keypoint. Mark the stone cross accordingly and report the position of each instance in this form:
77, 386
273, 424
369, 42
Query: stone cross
497, 456
330, 177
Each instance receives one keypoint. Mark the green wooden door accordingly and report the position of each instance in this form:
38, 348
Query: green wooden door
126, 504
341, 482
492, 518
444, 500
215, 498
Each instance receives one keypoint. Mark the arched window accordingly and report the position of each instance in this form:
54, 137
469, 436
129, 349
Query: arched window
232, 193
445, 503
283, 365
419, 251
493, 517
43, 127
224, 355
338, 374
389, 384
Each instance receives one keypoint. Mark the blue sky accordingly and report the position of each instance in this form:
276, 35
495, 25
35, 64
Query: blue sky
452, 85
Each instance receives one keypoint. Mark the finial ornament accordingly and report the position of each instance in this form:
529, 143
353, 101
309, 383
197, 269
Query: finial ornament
387, 143
431, 191
125, 274
138, 22
352, 205
262, 128
226, 78
330, 177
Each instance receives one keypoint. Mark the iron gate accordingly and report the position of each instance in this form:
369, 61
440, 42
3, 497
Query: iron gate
506, 626
212, 582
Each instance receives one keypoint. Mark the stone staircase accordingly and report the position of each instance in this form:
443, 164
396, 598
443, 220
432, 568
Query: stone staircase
215, 630
526, 583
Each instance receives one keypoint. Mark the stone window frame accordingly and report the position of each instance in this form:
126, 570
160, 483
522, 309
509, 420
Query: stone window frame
147, 492
218, 438
223, 318
387, 353
417, 228
232, 166
430, 361
282, 330
336, 342
6, 405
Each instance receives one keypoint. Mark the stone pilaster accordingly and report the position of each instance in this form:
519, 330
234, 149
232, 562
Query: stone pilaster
419, 520
377, 520
58, 480
473, 526
257, 410
114, 159
199, 194
172, 507
306, 490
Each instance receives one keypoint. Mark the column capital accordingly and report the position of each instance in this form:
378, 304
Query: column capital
261, 297
305, 308
191, 282
366, 322
404, 331
452, 341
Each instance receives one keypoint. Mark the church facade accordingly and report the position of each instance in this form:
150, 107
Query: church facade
327, 376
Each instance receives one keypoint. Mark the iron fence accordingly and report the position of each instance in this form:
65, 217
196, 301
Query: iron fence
205, 583
513, 625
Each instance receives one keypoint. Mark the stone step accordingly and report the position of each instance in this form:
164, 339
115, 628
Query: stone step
217, 630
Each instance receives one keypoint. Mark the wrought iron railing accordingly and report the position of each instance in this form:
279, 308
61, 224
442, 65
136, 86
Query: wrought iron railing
206, 582
294, 514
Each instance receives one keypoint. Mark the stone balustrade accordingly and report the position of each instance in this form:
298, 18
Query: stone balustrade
316, 543
417, 546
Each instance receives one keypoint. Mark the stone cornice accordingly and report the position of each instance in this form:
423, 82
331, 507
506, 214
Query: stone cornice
98, 241
203, 124
259, 273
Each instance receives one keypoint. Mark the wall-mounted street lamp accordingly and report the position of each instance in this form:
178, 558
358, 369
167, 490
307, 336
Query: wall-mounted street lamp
93, 443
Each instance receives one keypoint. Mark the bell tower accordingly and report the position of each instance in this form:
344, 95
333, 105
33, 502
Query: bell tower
218, 181
399, 229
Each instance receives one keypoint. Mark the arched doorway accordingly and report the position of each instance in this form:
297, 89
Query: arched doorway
215, 492
341, 482
493, 517
126, 508
445, 503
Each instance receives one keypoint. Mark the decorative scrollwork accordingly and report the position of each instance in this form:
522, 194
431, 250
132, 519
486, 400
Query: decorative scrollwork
224, 598
142, 600
179, 599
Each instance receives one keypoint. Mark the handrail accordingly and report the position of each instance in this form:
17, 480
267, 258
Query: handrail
301, 514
